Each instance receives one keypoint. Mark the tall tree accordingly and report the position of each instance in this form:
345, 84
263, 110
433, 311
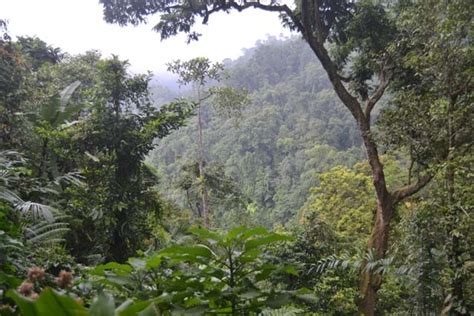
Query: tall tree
360, 66
199, 72
111, 128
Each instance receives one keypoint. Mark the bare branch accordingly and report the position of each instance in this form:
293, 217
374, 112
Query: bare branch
402, 193
268, 7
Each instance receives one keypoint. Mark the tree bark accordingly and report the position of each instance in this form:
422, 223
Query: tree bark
370, 282
378, 242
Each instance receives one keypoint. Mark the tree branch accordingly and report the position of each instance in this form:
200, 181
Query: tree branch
402, 193
316, 42
344, 78
375, 97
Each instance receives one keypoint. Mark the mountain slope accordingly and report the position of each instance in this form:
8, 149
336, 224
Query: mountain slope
294, 128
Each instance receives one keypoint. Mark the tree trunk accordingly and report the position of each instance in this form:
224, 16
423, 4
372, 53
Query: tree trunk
370, 283
378, 242
454, 252
312, 28
204, 193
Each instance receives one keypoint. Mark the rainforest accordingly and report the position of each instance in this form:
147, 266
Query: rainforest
326, 173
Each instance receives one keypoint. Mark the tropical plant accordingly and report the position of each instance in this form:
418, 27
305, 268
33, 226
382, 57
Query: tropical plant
51, 302
210, 273
360, 65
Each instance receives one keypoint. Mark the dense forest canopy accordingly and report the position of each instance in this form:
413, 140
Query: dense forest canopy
328, 173
271, 150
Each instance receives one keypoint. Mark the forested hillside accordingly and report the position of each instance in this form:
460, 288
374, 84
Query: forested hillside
272, 150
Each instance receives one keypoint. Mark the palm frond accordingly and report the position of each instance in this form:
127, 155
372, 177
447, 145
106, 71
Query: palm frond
9, 243
66, 94
72, 178
9, 196
37, 210
46, 232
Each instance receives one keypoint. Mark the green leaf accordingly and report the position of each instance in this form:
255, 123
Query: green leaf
193, 301
271, 238
191, 253
50, 110
49, 303
103, 305
251, 294
117, 268
265, 271
26, 306
117, 281
249, 256
153, 262
66, 94
91, 156
137, 263
308, 298
254, 232
233, 233
290, 270
205, 234
277, 300
130, 308
151, 310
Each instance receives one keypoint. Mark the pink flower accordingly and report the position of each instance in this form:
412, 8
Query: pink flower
25, 288
36, 274
34, 296
64, 279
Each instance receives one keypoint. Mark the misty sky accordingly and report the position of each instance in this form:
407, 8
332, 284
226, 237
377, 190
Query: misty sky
77, 26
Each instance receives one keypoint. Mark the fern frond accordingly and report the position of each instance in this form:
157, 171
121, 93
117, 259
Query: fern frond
49, 237
72, 178
46, 232
44, 227
365, 262
9, 196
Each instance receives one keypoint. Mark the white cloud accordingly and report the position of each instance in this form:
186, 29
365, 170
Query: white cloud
77, 25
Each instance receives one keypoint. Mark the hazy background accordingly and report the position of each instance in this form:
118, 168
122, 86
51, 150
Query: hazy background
77, 26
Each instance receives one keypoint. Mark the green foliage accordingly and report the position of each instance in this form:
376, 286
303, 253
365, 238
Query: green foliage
224, 100
109, 144
38, 52
51, 302
360, 48
433, 84
75, 131
430, 118
225, 197
216, 273
292, 128
48, 303
197, 70
344, 200
12, 72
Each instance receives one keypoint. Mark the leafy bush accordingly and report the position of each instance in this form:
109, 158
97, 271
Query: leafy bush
208, 273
